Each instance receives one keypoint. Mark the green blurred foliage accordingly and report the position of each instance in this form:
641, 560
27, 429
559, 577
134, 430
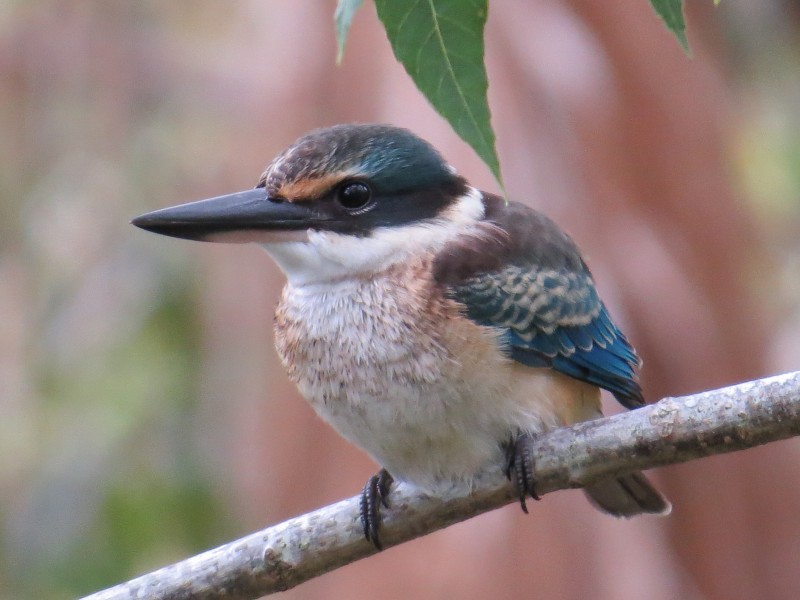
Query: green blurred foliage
100, 343
131, 497
764, 40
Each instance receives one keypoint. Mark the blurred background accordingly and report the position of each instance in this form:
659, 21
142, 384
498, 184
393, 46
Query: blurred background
144, 415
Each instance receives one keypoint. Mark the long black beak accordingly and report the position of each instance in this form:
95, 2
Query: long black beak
241, 217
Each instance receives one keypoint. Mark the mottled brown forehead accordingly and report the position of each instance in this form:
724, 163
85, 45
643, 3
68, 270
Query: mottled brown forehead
305, 171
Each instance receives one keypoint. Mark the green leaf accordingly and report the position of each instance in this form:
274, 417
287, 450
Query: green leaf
671, 12
440, 44
343, 17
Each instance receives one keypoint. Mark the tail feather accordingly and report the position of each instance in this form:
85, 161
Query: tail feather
627, 496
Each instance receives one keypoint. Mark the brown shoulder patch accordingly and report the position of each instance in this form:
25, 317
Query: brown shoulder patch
510, 234
481, 251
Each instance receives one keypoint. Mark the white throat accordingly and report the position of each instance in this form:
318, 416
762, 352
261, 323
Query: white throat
326, 256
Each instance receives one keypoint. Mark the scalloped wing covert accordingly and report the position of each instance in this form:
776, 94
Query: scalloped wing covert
555, 319
521, 273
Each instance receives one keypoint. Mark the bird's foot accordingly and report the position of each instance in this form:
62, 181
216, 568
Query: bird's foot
374, 494
519, 467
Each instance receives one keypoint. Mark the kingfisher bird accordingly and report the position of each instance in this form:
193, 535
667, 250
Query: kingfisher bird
436, 326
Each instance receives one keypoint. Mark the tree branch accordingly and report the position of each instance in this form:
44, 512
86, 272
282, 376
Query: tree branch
672, 431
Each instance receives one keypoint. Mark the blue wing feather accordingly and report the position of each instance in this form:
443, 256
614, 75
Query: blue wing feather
555, 319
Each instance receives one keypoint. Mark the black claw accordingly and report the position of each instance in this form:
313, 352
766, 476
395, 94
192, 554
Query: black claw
519, 467
374, 494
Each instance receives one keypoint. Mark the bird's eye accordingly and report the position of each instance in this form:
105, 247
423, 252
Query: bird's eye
354, 195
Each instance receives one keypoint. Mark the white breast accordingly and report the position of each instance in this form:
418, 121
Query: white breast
397, 370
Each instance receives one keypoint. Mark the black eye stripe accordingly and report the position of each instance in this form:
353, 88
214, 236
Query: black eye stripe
386, 209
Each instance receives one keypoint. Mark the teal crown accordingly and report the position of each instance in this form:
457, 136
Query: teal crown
393, 159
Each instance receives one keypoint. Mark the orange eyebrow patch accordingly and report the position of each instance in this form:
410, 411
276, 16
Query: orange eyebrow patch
308, 189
